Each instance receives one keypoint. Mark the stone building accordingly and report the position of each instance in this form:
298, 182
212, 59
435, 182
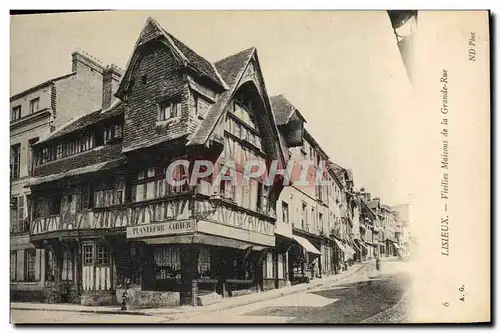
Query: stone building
403, 235
35, 113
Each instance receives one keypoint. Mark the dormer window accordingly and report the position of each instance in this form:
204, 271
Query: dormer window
113, 133
169, 109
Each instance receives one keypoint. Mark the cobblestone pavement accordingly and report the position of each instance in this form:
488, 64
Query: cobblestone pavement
366, 296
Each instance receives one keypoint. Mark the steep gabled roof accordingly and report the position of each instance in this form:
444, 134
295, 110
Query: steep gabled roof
231, 69
283, 109
197, 62
183, 54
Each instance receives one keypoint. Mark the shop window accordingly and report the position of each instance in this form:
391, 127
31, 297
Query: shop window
102, 255
280, 266
13, 265
88, 254
29, 265
204, 262
168, 262
67, 265
269, 266
50, 266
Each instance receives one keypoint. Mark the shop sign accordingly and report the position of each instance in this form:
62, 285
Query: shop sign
160, 229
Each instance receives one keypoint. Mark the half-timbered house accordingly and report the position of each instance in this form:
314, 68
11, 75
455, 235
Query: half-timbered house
105, 213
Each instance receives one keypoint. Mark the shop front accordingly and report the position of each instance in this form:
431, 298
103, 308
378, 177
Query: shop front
195, 262
363, 249
304, 259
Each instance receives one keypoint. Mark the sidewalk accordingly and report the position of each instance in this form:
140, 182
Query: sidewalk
188, 310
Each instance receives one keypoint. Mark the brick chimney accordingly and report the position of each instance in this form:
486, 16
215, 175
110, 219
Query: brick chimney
82, 61
110, 79
368, 196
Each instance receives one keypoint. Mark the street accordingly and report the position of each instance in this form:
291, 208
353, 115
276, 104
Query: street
357, 298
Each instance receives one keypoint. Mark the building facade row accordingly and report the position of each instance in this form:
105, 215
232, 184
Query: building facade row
100, 215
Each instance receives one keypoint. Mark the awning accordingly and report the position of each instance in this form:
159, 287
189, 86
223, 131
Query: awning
75, 172
396, 246
350, 251
362, 244
202, 239
340, 245
306, 245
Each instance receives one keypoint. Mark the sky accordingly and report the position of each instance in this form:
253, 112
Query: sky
342, 70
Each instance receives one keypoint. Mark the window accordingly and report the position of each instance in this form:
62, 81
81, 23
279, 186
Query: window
99, 139
260, 194
45, 155
55, 205
59, 151
313, 219
284, 206
67, 265
20, 212
34, 105
85, 198
168, 262
88, 254
29, 265
50, 266
15, 161
31, 155
118, 131
304, 215
13, 265
102, 255
204, 262
243, 112
320, 218
16, 113
17, 214
169, 109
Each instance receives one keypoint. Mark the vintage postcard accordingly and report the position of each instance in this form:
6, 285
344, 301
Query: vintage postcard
250, 167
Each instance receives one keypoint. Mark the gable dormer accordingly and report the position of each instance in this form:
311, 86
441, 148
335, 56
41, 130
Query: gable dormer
289, 120
156, 88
